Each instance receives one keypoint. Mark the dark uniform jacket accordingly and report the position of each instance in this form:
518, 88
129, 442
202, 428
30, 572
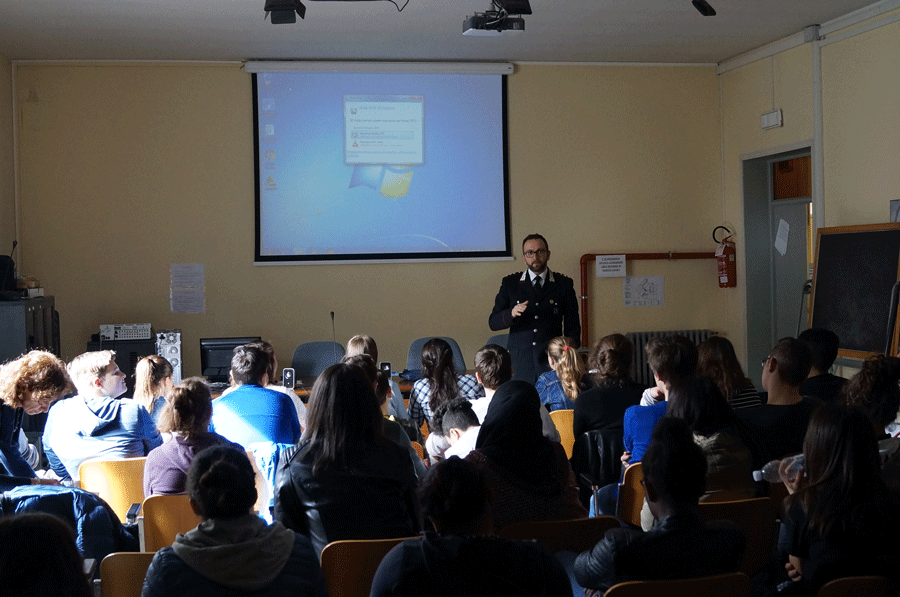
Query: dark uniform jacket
551, 312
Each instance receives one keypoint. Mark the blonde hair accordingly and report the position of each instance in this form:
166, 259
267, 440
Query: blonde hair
567, 364
362, 344
89, 366
38, 373
149, 374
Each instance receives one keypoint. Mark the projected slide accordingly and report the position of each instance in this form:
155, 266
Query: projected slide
380, 166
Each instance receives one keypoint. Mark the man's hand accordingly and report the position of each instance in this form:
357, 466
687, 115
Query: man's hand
519, 309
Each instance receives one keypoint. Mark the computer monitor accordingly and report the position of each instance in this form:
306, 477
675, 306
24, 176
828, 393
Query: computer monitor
215, 356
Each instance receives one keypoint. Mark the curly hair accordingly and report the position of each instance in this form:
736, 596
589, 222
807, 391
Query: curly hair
875, 389
611, 358
40, 374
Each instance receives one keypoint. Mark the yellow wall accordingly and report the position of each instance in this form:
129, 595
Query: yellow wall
861, 126
126, 169
7, 171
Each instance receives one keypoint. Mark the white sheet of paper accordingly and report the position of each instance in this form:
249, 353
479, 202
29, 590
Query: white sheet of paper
610, 266
781, 237
187, 275
187, 300
643, 291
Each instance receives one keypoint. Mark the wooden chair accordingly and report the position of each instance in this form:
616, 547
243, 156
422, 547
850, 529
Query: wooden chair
735, 584
420, 450
756, 518
563, 420
631, 495
576, 535
164, 516
120, 482
853, 586
122, 573
349, 565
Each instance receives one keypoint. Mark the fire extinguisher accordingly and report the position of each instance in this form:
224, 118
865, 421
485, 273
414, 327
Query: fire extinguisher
725, 259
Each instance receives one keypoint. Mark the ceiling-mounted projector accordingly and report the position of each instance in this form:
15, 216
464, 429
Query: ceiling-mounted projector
497, 19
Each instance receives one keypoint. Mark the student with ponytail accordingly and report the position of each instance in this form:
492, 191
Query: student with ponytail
152, 382
186, 417
559, 388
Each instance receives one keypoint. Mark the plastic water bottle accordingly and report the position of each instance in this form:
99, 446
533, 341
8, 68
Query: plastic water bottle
770, 471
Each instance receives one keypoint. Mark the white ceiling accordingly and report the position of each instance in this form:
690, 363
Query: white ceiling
559, 31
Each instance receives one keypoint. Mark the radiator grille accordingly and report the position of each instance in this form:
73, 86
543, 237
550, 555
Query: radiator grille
640, 369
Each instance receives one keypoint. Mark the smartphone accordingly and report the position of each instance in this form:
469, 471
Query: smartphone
386, 367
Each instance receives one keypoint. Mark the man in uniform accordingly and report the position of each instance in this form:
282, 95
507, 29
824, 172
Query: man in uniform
536, 305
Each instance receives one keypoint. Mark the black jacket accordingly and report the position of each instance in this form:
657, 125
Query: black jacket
681, 546
550, 313
375, 500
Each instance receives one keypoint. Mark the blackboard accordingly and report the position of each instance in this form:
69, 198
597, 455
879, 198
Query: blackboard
856, 268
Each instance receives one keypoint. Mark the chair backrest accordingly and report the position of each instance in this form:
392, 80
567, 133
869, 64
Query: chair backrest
120, 482
576, 535
414, 356
122, 573
852, 586
756, 518
735, 584
420, 449
311, 358
349, 565
164, 517
596, 456
563, 419
499, 339
631, 495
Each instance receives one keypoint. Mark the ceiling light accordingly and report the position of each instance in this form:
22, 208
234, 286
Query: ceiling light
705, 9
283, 11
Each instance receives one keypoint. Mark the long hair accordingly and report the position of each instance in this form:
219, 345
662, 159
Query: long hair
437, 368
344, 418
611, 359
718, 362
39, 373
149, 374
875, 389
844, 496
189, 408
567, 364
700, 403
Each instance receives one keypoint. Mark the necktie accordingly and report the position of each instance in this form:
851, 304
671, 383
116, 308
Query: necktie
537, 283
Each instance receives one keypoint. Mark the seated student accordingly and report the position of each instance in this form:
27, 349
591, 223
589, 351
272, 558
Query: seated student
392, 429
344, 479
613, 392
823, 345
271, 371
875, 390
252, 413
29, 384
559, 388
529, 474
681, 546
718, 362
439, 382
361, 344
186, 419
38, 556
459, 427
94, 424
493, 368
781, 423
841, 517
462, 557
233, 551
152, 382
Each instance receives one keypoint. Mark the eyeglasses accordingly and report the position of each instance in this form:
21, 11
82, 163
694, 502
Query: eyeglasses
531, 254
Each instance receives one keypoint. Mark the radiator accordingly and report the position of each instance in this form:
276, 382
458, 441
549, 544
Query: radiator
640, 369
